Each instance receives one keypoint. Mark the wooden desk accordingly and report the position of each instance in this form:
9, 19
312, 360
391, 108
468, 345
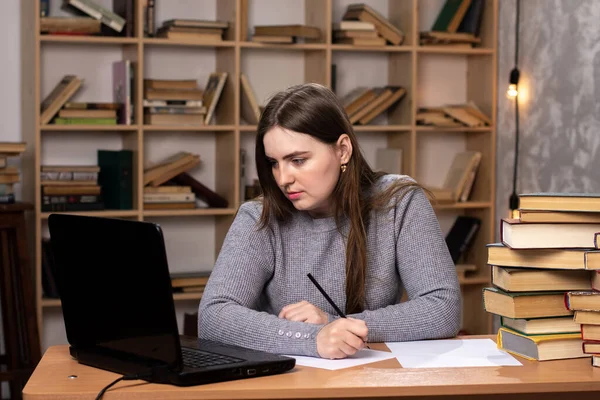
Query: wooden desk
564, 379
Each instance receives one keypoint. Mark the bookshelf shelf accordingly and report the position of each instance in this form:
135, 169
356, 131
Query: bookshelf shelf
440, 129
290, 47
451, 51
173, 42
384, 49
423, 70
464, 205
382, 128
88, 40
189, 213
186, 296
103, 213
51, 303
473, 281
55, 303
188, 128
89, 128
247, 128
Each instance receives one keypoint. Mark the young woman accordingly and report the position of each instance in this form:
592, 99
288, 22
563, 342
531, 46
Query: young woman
363, 235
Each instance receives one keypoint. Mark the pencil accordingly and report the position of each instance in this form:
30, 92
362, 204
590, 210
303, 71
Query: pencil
329, 300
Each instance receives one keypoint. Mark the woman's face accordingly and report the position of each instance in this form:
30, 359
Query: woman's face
305, 169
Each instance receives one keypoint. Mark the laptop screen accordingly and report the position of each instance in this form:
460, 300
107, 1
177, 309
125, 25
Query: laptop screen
114, 283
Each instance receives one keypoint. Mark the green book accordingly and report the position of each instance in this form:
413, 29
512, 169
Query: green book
85, 121
447, 13
525, 304
116, 178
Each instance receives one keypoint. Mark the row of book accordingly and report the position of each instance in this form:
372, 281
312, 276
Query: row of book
88, 17
182, 101
59, 108
168, 184
195, 30
166, 101
9, 174
546, 278
453, 116
360, 25
70, 188
457, 25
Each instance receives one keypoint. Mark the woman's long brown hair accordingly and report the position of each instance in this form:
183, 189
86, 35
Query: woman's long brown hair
314, 110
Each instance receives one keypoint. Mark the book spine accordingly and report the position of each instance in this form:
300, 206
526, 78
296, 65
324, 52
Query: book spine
44, 8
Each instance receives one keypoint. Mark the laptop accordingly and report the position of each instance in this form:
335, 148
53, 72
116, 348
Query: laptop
114, 284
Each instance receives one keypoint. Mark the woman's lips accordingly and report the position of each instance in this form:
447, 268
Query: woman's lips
294, 195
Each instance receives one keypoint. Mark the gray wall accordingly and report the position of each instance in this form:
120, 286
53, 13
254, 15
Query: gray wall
559, 59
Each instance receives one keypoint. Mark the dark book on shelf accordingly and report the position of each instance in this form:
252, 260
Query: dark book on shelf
116, 178
214, 200
73, 202
461, 236
49, 287
471, 22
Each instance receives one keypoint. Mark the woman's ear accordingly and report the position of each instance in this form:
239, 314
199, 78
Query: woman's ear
344, 146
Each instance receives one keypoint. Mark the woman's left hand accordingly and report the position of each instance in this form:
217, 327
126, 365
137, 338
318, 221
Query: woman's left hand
304, 312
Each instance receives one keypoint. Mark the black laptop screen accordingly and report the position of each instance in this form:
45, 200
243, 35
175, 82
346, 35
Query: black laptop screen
115, 288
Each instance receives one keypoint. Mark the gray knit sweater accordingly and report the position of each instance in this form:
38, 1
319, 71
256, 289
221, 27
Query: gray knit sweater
258, 272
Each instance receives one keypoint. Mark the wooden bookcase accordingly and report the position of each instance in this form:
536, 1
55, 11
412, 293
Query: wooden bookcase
433, 76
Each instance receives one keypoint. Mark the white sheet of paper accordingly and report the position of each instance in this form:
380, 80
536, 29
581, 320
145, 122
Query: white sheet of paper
451, 353
364, 356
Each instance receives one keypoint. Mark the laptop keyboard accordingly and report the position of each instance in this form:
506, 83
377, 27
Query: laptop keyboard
197, 358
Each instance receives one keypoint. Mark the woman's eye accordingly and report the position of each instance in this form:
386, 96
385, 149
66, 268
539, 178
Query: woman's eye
272, 163
298, 161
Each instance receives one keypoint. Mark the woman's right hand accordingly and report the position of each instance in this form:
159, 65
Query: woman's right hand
342, 338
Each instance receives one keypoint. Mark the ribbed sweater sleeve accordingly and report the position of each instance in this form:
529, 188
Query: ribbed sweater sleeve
428, 275
227, 311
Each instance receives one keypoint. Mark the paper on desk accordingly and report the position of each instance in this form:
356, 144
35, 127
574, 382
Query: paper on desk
364, 356
450, 353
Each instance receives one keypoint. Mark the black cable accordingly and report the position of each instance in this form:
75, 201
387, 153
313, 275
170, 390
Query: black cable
517, 32
514, 78
122, 378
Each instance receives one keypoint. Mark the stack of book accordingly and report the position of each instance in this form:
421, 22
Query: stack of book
545, 280
364, 104
169, 185
386, 31
286, 33
157, 197
457, 25
173, 102
193, 30
9, 175
88, 113
453, 116
60, 108
460, 178
357, 33
70, 188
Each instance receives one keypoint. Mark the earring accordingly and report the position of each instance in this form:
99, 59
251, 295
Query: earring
343, 168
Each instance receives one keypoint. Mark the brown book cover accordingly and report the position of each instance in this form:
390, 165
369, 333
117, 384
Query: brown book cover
212, 93
308, 32
62, 92
363, 12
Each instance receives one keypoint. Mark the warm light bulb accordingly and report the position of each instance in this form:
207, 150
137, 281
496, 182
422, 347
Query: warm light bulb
512, 90
516, 214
